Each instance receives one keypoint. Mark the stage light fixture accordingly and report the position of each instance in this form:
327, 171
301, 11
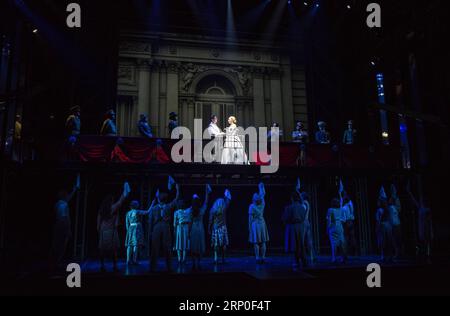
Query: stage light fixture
35, 31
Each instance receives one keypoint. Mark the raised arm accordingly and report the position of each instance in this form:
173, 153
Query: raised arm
411, 195
262, 191
72, 194
227, 198
119, 203
205, 203
173, 204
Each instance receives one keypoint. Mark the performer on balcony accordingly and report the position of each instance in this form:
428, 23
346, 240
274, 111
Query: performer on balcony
198, 210
335, 224
145, 130
258, 233
159, 227
135, 234
109, 125
173, 122
107, 223
73, 122
234, 151
216, 134
271, 133
301, 136
349, 134
322, 135
217, 226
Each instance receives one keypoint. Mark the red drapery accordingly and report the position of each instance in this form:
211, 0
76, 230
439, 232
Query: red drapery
142, 151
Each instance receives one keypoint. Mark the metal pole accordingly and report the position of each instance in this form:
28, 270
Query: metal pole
84, 223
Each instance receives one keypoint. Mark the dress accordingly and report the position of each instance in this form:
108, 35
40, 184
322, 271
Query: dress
257, 225
135, 232
335, 218
233, 152
181, 221
198, 245
218, 224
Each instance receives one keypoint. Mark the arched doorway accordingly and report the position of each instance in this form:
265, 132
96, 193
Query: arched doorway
215, 94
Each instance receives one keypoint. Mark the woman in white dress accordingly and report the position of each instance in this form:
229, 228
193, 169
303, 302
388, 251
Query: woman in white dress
234, 152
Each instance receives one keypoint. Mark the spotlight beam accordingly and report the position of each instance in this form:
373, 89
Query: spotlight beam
275, 21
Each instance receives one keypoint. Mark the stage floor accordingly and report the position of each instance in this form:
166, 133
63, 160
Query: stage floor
238, 263
242, 277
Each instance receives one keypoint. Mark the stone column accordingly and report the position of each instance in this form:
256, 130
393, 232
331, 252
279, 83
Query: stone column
258, 98
163, 113
276, 98
172, 89
190, 113
288, 106
154, 103
143, 106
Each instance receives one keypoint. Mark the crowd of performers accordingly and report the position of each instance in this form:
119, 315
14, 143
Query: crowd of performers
178, 226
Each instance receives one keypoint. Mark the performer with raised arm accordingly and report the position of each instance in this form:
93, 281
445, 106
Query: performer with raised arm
62, 230
425, 225
394, 213
295, 230
349, 226
384, 230
182, 221
309, 245
198, 210
217, 226
335, 224
159, 226
258, 234
107, 223
135, 234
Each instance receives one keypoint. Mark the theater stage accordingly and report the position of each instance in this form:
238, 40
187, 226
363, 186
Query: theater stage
241, 277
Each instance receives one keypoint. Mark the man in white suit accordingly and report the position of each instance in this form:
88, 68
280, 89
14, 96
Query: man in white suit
217, 135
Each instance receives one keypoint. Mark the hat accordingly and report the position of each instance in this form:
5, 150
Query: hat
322, 123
